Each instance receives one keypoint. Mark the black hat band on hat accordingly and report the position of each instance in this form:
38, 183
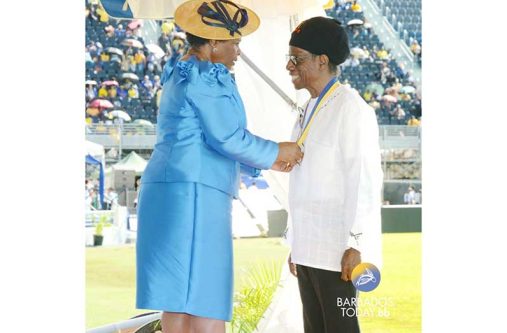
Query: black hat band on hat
322, 35
222, 15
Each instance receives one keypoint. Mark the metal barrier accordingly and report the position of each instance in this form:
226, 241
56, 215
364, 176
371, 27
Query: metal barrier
126, 136
399, 136
92, 217
135, 136
399, 131
114, 129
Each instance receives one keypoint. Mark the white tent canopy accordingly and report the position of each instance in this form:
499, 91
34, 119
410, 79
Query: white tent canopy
95, 150
131, 162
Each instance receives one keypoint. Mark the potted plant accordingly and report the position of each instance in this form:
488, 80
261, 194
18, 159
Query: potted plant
98, 236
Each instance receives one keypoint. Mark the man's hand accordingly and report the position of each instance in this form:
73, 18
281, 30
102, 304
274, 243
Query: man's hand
351, 258
292, 267
289, 152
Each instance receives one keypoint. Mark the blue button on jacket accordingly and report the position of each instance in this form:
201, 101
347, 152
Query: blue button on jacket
201, 130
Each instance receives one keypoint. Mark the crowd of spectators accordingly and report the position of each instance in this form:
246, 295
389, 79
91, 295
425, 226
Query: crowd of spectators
383, 82
121, 68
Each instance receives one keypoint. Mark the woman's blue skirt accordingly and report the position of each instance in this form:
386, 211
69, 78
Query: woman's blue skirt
184, 250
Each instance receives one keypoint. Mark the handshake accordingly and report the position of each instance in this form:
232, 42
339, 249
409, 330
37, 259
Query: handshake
289, 154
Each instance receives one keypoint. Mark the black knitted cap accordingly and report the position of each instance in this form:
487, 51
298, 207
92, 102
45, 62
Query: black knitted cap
322, 35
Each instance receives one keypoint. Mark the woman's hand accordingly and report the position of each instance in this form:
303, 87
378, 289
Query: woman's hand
289, 154
282, 166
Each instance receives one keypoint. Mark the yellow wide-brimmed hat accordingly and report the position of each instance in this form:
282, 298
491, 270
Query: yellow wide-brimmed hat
218, 20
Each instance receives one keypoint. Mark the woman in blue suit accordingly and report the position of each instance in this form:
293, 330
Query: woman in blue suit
184, 241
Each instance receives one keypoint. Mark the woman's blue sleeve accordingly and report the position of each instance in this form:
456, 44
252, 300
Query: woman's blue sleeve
220, 119
249, 171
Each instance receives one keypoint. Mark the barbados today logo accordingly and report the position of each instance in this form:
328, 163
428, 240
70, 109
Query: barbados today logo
366, 277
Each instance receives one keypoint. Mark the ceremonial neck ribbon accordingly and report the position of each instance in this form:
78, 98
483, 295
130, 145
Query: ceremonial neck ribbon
324, 95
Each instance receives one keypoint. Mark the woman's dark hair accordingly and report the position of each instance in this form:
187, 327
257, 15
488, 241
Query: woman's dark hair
195, 41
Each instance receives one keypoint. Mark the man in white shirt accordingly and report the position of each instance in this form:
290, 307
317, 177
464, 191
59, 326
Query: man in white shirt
334, 194
410, 197
110, 198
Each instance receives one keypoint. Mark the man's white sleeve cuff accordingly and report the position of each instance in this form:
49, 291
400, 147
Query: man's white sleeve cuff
355, 241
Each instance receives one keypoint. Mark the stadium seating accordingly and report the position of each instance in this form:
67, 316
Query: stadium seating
101, 71
369, 70
404, 16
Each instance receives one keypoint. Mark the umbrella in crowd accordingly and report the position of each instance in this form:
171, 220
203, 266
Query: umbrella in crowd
88, 57
114, 50
376, 88
132, 42
355, 22
389, 98
357, 52
143, 122
129, 76
100, 103
407, 89
134, 24
180, 34
156, 50
115, 58
119, 114
91, 82
110, 83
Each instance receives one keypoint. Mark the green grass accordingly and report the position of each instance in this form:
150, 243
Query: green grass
110, 281
110, 276
400, 284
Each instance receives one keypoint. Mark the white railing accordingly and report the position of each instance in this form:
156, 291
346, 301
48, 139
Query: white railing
116, 230
116, 129
112, 130
126, 136
92, 217
399, 131
399, 136
134, 136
